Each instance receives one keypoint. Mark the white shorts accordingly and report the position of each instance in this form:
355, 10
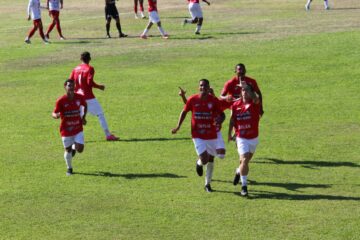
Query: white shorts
154, 17
202, 145
195, 10
93, 107
220, 144
68, 141
246, 145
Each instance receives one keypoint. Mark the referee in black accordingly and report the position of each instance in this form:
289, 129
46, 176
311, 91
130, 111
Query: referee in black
112, 12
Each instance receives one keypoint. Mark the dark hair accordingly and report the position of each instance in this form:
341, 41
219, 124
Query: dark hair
205, 80
85, 57
240, 65
67, 81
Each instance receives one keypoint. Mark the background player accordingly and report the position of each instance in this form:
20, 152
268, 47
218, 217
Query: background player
153, 18
71, 127
307, 5
141, 6
34, 13
83, 75
205, 110
196, 14
54, 12
112, 12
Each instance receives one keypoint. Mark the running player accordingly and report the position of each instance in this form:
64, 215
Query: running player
196, 14
54, 12
153, 18
34, 13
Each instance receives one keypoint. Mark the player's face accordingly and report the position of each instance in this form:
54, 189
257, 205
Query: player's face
204, 88
245, 95
240, 71
69, 87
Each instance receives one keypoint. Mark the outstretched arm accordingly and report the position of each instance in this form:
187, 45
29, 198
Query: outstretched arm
181, 119
208, 3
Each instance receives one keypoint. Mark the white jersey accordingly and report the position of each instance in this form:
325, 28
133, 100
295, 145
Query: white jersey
54, 5
34, 9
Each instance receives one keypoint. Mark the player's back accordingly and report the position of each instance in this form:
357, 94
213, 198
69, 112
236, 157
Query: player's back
83, 77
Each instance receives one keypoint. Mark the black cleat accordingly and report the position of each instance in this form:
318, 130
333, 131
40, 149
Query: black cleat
69, 172
244, 191
122, 35
208, 188
197, 33
108, 36
236, 179
199, 170
73, 152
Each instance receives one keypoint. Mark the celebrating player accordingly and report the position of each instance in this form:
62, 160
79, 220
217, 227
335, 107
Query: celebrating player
153, 18
34, 13
244, 120
307, 5
71, 127
54, 12
141, 6
83, 76
196, 14
112, 12
206, 113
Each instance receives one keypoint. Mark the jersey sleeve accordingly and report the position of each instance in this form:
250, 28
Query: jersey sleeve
188, 105
57, 106
90, 77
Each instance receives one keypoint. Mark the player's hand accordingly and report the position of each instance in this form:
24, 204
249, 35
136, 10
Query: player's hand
29, 18
102, 87
55, 115
182, 92
174, 130
230, 98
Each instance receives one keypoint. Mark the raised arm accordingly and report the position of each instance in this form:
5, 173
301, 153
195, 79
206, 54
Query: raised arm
182, 94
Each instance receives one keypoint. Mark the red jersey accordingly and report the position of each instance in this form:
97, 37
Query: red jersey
83, 75
193, 1
204, 112
231, 87
246, 118
152, 5
71, 122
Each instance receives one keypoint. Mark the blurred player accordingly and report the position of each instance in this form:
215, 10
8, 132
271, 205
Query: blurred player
153, 18
83, 75
141, 6
196, 14
71, 127
34, 13
54, 12
112, 12
244, 120
232, 90
307, 5
206, 113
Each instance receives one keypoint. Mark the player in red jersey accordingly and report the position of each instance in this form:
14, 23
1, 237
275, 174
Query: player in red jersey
83, 75
153, 19
232, 90
141, 6
307, 5
244, 120
196, 14
54, 12
206, 113
112, 12
34, 13
71, 127
220, 144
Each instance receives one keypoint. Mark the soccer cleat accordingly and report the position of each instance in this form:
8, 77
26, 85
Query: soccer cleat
46, 41
184, 23
136, 16
122, 35
108, 36
62, 38
199, 170
236, 179
142, 36
244, 191
27, 41
208, 188
197, 33
307, 7
142, 15
327, 8
165, 36
47, 37
112, 138
69, 172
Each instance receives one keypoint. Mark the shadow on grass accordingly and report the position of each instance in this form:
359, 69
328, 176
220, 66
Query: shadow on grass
344, 9
144, 140
307, 163
286, 196
131, 175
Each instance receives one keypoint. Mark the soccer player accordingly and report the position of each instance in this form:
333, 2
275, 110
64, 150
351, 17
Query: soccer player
244, 120
307, 5
220, 144
54, 12
206, 113
34, 13
153, 19
71, 127
141, 6
112, 12
83, 76
196, 14
232, 90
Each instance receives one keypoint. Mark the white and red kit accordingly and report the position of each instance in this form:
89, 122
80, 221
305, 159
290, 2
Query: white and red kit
152, 5
71, 121
34, 9
231, 87
83, 75
204, 112
246, 118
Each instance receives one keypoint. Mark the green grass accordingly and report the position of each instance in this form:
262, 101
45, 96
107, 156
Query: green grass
304, 178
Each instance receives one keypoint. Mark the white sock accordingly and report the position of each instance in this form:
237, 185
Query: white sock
198, 28
308, 2
68, 158
103, 124
209, 172
237, 171
325, 3
199, 162
243, 180
161, 31
145, 32
142, 14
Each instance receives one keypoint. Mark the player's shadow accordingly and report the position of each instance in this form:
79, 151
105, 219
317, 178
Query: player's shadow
306, 163
144, 140
301, 197
131, 176
344, 9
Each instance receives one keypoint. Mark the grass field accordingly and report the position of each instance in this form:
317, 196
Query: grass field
304, 179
